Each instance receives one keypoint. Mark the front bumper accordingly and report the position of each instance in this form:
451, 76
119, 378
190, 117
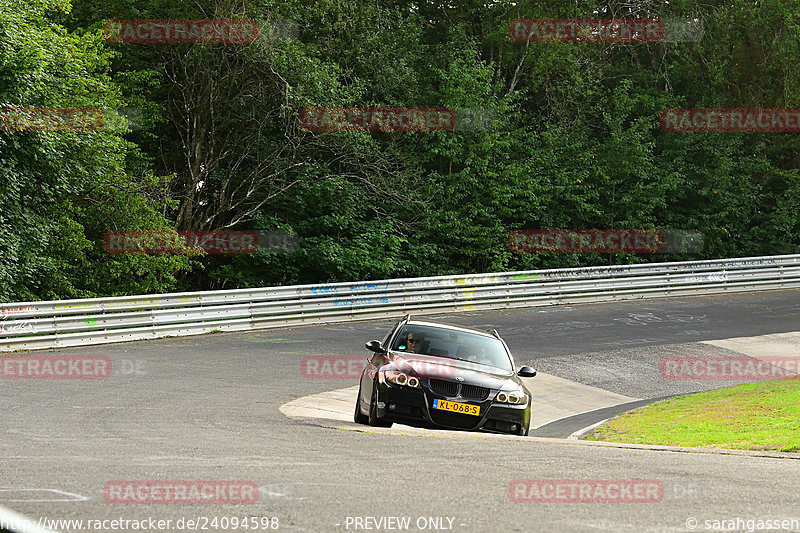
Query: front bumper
414, 406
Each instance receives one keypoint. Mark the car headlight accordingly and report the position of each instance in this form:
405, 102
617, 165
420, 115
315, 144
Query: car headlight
399, 378
514, 397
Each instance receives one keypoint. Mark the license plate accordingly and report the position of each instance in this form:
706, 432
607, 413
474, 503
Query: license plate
456, 407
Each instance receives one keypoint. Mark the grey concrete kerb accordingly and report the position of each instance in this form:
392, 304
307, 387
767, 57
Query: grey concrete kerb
334, 409
418, 432
553, 399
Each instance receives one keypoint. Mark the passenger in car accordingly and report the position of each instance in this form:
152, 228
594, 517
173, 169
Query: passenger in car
478, 355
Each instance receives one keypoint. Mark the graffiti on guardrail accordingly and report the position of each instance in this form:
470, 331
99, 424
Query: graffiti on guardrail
322, 289
132, 303
348, 302
476, 280
753, 262
363, 287
16, 327
520, 277
334, 289
71, 306
5, 311
706, 278
718, 276
582, 272
429, 283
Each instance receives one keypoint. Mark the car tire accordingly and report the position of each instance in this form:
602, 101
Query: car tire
359, 418
373, 419
523, 432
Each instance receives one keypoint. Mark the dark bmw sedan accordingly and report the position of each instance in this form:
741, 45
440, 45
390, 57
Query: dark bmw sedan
443, 376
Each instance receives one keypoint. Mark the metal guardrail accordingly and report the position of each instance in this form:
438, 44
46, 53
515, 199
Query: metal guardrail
54, 324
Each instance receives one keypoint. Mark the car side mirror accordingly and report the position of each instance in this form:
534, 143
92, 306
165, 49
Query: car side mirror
526, 372
375, 346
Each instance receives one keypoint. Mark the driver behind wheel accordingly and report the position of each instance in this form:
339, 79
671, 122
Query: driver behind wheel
414, 343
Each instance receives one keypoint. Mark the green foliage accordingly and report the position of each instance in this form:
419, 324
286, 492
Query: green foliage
575, 141
61, 190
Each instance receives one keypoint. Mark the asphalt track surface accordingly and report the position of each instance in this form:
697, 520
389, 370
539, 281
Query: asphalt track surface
207, 408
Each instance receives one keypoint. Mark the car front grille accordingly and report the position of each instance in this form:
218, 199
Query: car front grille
473, 392
448, 388
452, 389
454, 420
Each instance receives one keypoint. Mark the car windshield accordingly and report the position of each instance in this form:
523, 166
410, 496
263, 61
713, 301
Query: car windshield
429, 340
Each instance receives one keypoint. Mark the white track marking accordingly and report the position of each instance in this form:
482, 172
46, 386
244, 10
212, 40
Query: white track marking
73, 497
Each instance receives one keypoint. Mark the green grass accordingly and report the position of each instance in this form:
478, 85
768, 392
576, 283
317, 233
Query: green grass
754, 416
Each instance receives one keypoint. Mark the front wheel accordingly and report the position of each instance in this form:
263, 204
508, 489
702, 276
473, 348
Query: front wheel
373, 419
523, 431
358, 417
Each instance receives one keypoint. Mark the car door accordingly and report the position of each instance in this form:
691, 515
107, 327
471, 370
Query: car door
373, 363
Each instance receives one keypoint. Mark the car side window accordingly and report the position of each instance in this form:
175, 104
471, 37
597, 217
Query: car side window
399, 342
388, 336
399, 339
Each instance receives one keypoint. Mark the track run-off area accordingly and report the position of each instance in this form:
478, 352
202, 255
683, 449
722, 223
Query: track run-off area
237, 407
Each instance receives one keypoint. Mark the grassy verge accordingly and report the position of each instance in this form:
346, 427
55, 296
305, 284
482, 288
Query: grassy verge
754, 416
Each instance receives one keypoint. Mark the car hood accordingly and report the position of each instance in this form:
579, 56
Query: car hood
434, 367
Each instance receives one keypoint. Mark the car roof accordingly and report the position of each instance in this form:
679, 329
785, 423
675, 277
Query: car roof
445, 325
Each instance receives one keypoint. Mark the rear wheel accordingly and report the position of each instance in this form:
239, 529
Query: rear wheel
373, 419
359, 418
